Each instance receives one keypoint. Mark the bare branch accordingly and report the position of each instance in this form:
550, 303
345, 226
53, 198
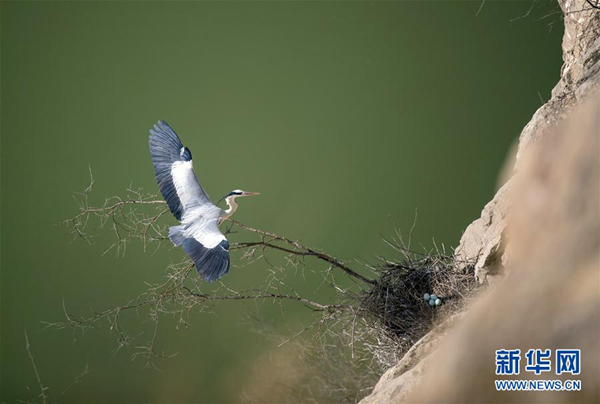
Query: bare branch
35, 370
262, 295
77, 380
299, 250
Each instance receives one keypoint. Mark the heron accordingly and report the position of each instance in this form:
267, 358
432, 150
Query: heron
198, 233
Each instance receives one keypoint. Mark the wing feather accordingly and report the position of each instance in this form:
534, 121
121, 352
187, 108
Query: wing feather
211, 263
203, 225
205, 244
174, 171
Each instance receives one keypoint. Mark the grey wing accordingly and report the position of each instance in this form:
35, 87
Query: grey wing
174, 172
211, 263
202, 240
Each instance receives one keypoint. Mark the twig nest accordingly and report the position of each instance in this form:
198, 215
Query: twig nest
432, 302
438, 302
426, 296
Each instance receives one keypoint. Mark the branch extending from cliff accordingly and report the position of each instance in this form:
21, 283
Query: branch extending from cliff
129, 224
267, 239
260, 295
135, 216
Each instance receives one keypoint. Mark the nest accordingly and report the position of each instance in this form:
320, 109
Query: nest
396, 303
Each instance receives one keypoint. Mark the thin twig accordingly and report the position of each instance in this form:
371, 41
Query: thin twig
35, 370
266, 295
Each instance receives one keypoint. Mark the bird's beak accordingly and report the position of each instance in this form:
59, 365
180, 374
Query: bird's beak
250, 193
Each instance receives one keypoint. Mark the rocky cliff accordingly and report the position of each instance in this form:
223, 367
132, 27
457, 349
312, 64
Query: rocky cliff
537, 242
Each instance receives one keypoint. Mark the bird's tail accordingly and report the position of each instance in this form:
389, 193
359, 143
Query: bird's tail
176, 235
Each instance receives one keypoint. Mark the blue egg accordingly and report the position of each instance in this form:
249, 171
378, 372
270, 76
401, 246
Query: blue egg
432, 303
432, 297
438, 302
426, 296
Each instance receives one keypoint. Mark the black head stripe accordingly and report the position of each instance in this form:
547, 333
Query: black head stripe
230, 194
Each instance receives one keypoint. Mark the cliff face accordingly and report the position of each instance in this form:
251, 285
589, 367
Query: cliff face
536, 242
485, 238
550, 295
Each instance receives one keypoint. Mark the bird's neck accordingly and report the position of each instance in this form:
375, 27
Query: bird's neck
230, 200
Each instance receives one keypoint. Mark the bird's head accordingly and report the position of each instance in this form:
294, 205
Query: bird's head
237, 193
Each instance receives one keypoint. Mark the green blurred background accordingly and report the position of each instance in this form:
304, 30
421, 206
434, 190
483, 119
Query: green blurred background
346, 116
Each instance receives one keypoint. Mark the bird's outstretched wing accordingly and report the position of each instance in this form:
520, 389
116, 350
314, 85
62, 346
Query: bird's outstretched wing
201, 239
211, 263
174, 172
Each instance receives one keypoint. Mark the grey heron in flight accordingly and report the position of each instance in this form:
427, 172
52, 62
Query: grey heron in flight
199, 233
